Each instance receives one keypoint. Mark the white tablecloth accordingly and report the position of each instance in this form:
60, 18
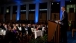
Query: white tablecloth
2, 32
38, 33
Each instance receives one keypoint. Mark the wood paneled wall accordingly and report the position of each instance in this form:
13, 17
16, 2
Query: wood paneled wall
55, 16
23, 17
31, 16
14, 17
42, 17
71, 16
7, 17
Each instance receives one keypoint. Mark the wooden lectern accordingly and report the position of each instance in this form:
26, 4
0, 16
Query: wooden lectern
53, 32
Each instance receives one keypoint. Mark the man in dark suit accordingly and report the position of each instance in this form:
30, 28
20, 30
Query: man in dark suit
64, 25
29, 30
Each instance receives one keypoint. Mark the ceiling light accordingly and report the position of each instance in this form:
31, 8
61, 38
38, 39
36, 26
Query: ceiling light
52, 3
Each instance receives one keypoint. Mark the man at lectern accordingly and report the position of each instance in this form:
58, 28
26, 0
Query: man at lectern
64, 25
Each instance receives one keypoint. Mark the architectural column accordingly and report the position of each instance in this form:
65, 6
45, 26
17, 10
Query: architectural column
37, 12
48, 10
27, 11
4, 14
18, 12
62, 3
11, 12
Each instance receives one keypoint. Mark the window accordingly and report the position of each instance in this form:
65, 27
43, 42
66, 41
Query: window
23, 9
70, 4
31, 11
14, 9
23, 12
55, 7
43, 6
31, 8
8, 10
42, 12
2, 10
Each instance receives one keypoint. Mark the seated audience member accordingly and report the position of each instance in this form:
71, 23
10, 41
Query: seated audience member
39, 27
4, 26
29, 29
19, 29
33, 26
18, 32
9, 37
23, 28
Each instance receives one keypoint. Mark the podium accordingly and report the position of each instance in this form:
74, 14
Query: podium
53, 32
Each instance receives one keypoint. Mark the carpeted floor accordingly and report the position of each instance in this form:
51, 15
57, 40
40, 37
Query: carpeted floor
71, 39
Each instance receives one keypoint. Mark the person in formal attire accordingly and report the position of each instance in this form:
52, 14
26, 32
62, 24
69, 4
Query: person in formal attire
9, 35
4, 26
29, 29
39, 27
64, 25
23, 29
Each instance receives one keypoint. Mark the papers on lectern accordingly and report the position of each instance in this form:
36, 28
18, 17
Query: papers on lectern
56, 21
59, 22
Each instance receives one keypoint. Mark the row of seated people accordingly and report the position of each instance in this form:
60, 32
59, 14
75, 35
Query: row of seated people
19, 32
